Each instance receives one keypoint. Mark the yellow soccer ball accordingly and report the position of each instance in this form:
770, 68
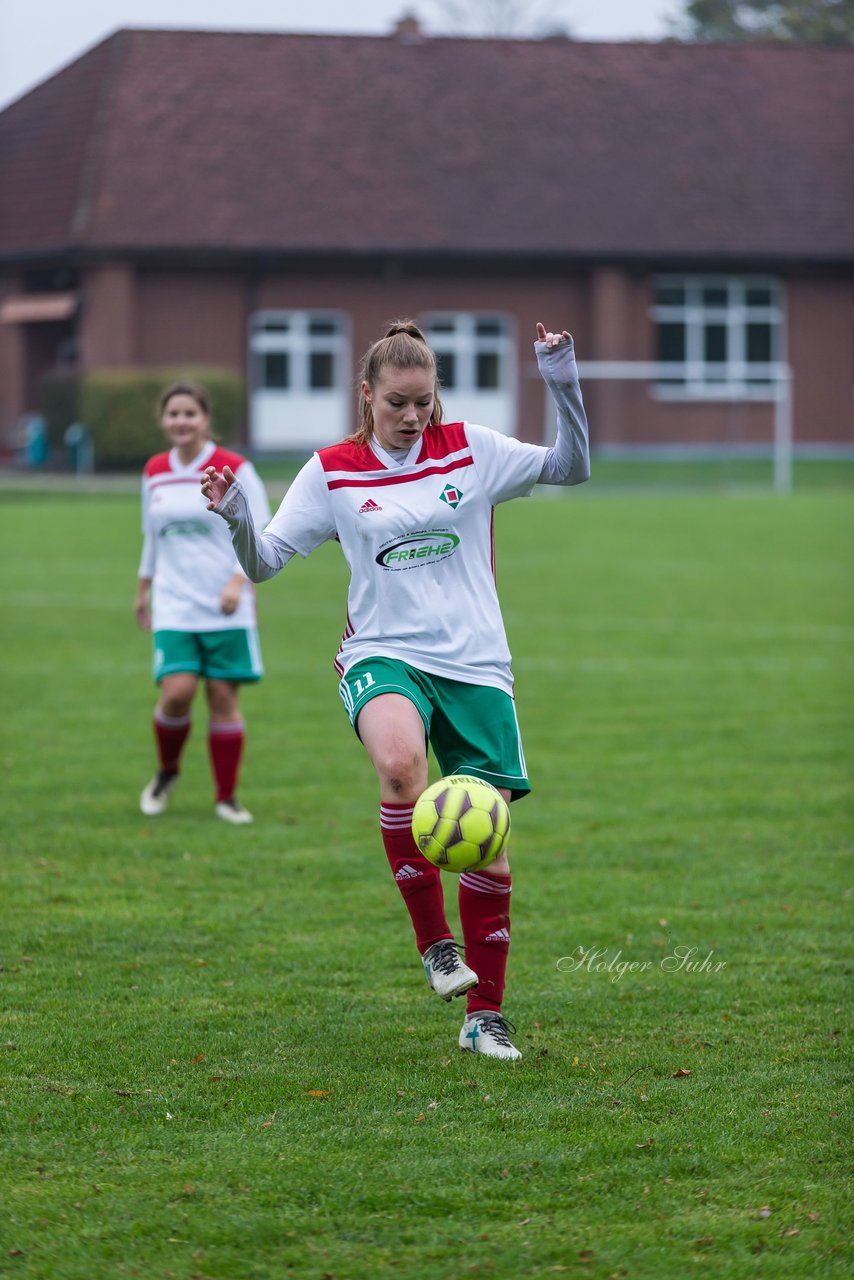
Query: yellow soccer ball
461, 823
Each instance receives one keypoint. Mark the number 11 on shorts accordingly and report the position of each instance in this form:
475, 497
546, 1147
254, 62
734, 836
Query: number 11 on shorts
364, 683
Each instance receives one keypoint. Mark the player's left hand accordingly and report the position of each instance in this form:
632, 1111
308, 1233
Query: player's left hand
551, 339
215, 486
230, 598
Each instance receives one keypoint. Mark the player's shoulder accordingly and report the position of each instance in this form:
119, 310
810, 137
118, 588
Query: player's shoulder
225, 458
348, 455
443, 439
157, 465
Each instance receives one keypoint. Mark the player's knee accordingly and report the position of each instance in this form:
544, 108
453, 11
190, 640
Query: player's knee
176, 697
222, 699
403, 773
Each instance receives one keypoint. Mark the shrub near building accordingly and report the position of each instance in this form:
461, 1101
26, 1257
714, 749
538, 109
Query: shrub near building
119, 408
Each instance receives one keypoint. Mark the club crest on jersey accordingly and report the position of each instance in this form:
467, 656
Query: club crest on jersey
369, 506
452, 495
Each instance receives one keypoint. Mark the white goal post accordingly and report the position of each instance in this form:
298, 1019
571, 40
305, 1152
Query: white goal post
694, 388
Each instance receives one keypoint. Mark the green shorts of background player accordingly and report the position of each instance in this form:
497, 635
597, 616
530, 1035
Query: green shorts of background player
222, 661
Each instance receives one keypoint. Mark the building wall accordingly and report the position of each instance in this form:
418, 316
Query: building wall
191, 317
163, 316
819, 345
373, 302
109, 323
13, 392
821, 350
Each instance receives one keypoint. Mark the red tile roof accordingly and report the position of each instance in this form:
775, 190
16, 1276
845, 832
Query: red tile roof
293, 143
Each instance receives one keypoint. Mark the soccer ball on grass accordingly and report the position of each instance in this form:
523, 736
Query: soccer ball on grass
461, 823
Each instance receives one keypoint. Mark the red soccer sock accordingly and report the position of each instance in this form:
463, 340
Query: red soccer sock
170, 733
417, 879
225, 746
485, 917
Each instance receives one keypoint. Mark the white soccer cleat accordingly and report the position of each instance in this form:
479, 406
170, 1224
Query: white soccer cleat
231, 811
488, 1033
155, 797
446, 972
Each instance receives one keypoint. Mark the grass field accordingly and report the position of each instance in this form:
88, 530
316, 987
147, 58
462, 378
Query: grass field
219, 1059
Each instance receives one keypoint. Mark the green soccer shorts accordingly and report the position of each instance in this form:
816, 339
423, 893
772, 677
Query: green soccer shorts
233, 654
472, 728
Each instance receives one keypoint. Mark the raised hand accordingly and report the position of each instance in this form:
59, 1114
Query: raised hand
551, 339
216, 486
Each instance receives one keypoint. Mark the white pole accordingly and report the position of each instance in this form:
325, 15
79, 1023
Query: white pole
783, 431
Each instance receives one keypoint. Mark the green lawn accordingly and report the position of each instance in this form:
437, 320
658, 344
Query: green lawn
219, 1058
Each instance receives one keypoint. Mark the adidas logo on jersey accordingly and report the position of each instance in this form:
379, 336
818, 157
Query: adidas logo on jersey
370, 505
407, 873
500, 935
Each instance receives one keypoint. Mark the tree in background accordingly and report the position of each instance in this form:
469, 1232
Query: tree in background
503, 18
809, 21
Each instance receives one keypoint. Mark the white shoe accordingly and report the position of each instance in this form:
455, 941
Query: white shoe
446, 972
155, 797
231, 811
489, 1033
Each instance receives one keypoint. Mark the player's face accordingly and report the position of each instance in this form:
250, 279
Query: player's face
402, 403
185, 422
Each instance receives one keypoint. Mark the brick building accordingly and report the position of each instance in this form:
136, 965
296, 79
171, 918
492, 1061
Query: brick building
268, 202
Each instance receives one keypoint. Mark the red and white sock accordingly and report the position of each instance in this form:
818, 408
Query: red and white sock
170, 734
417, 879
225, 746
485, 917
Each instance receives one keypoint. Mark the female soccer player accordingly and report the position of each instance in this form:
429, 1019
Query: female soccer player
424, 657
192, 593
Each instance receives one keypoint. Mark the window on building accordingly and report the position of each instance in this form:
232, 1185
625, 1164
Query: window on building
276, 369
473, 351
300, 379
298, 351
721, 334
476, 360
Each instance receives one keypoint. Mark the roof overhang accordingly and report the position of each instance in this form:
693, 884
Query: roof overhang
32, 308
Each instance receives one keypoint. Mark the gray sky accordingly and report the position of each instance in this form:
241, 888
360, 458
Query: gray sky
39, 38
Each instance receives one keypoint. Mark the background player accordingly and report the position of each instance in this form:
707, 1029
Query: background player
424, 657
194, 595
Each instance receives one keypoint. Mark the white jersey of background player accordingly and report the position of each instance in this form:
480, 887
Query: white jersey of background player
184, 550
424, 656
194, 598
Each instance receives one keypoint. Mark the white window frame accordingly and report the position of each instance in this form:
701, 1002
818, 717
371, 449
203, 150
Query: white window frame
315, 415
735, 378
494, 406
299, 343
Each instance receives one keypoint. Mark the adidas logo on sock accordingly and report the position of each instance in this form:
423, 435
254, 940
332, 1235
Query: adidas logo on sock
500, 935
407, 873
370, 505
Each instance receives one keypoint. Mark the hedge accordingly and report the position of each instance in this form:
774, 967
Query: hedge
119, 409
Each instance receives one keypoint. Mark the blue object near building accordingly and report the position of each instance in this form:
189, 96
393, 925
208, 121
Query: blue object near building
35, 441
78, 444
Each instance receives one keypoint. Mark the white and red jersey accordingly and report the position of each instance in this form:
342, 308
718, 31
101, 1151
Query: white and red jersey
418, 537
187, 550
416, 529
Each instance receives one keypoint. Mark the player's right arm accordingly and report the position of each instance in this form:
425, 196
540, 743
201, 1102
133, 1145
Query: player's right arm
145, 573
142, 603
302, 522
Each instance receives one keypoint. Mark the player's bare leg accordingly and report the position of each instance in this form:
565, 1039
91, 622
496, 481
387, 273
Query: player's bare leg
392, 733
